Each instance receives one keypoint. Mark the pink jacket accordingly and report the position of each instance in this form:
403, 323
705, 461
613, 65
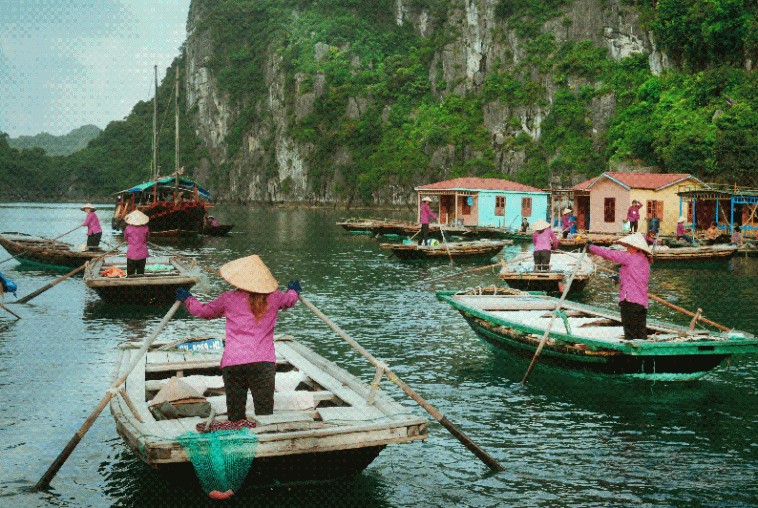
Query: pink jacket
426, 212
633, 274
246, 340
680, 229
92, 223
633, 214
136, 237
543, 239
566, 222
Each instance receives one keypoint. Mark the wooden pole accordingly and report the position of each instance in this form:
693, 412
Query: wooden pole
58, 462
473, 447
442, 233
664, 302
69, 274
463, 273
554, 315
52, 240
6, 308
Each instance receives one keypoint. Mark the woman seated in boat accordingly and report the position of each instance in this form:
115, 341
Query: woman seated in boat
94, 231
249, 359
737, 238
566, 222
633, 278
680, 232
136, 234
543, 239
650, 238
524, 225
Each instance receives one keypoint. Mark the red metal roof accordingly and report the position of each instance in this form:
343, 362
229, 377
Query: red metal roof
644, 180
584, 185
478, 184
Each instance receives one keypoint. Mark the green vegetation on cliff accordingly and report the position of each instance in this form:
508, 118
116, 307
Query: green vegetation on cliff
383, 113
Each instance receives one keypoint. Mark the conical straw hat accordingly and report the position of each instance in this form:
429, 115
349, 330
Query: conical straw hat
682, 219
88, 206
567, 210
539, 225
250, 274
137, 218
176, 389
635, 240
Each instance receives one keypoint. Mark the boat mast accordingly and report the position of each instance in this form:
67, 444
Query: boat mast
176, 137
154, 167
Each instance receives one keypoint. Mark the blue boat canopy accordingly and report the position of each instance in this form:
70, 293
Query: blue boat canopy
169, 181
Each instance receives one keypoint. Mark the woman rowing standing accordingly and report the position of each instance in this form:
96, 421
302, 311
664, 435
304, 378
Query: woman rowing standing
543, 239
633, 277
94, 231
249, 359
136, 234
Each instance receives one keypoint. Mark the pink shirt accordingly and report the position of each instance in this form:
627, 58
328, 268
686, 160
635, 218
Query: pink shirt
633, 214
633, 274
680, 229
92, 223
426, 212
246, 340
543, 239
566, 222
136, 237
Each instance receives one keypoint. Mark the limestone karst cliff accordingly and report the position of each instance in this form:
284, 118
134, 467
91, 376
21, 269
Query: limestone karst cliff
274, 140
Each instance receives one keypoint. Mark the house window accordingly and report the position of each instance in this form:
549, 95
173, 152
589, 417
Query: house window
500, 206
609, 210
526, 207
655, 209
689, 212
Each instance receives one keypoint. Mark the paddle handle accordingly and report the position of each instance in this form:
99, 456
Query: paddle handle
6, 308
58, 462
468, 443
552, 318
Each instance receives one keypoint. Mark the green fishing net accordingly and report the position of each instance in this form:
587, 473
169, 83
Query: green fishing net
221, 459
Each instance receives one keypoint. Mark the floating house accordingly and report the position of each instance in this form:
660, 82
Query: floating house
601, 203
728, 205
484, 202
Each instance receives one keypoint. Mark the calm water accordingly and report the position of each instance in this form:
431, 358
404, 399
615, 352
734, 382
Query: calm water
564, 441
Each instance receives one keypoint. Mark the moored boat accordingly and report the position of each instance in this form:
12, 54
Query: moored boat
705, 253
163, 276
590, 340
326, 423
519, 273
444, 251
43, 252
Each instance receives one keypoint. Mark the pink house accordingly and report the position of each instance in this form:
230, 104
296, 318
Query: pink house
611, 194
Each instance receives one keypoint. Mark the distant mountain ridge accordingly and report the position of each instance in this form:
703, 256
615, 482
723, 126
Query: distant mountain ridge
67, 144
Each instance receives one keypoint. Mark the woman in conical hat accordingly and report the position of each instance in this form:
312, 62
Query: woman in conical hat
136, 234
94, 231
566, 221
633, 278
543, 239
251, 310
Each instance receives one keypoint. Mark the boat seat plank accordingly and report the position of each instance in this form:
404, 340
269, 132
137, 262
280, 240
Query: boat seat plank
350, 415
135, 387
329, 382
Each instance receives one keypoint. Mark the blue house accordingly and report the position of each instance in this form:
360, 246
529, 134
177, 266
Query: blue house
484, 202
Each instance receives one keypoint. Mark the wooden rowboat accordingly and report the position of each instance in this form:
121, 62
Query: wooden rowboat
589, 340
163, 276
326, 423
43, 252
664, 254
479, 249
219, 230
519, 273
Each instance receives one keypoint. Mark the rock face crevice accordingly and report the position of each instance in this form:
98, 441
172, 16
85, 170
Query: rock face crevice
272, 166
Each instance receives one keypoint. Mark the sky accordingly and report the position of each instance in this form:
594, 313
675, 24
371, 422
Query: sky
69, 63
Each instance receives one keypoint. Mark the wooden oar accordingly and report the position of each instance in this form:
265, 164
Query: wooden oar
69, 274
442, 233
664, 302
554, 315
473, 447
56, 465
6, 308
52, 240
465, 272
